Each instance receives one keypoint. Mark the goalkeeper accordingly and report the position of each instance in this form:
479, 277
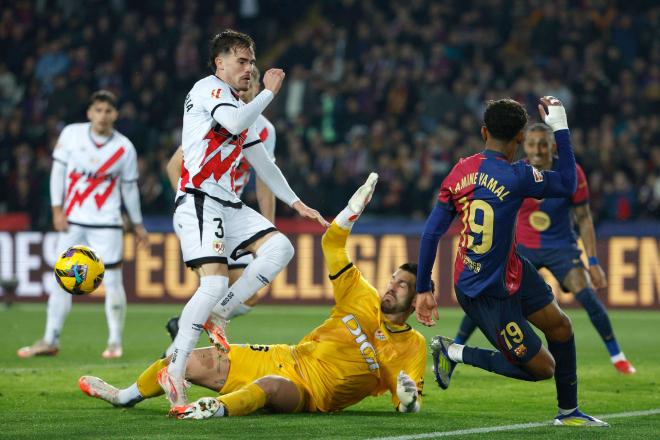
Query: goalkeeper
364, 348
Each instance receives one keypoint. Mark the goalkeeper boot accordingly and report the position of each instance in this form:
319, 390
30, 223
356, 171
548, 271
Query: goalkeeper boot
203, 408
39, 348
100, 389
113, 351
625, 367
215, 327
443, 366
578, 418
175, 389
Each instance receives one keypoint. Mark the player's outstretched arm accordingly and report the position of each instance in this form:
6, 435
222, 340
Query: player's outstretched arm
564, 185
271, 175
174, 168
436, 225
333, 242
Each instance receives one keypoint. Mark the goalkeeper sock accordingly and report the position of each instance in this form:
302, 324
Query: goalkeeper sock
147, 383
272, 256
244, 401
130, 396
465, 330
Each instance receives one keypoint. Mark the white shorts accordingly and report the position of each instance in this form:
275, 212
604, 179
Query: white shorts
212, 232
107, 242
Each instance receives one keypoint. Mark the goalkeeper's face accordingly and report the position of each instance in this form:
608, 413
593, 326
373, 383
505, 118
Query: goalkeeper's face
235, 68
399, 294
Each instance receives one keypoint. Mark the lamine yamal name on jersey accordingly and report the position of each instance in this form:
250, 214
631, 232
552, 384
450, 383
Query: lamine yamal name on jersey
484, 180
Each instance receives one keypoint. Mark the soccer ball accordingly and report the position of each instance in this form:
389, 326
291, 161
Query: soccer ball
79, 270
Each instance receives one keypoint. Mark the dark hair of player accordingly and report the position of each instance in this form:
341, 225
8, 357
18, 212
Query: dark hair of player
504, 118
540, 126
412, 268
103, 96
227, 41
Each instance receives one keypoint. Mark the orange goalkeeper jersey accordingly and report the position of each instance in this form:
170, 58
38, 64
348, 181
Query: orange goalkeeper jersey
356, 352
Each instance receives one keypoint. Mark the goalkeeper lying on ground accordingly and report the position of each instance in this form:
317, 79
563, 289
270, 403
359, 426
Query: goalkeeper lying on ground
364, 348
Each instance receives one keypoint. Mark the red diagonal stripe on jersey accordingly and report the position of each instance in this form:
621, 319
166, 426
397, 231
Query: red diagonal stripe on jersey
264, 134
73, 179
101, 198
217, 166
92, 182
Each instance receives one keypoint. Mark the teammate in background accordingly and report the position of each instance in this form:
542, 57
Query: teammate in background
265, 198
210, 220
545, 236
499, 290
364, 348
92, 164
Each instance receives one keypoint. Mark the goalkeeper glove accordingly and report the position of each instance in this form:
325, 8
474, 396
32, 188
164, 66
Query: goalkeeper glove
406, 391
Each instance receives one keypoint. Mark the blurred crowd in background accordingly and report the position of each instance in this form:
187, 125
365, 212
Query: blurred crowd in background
394, 87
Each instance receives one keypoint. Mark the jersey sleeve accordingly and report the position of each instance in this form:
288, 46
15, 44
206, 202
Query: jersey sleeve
347, 281
129, 171
413, 363
534, 183
268, 137
61, 152
445, 194
581, 194
212, 97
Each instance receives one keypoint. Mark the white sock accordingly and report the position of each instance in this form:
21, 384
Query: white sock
220, 412
130, 395
194, 315
565, 412
239, 310
618, 357
59, 306
269, 260
170, 349
455, 352
115, 304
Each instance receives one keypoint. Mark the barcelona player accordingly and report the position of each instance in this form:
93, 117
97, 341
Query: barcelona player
498, 289
545, 236
364, 348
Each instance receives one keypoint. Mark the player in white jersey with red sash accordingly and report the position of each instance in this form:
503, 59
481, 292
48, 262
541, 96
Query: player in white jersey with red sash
210, 220
243, 175
92, 165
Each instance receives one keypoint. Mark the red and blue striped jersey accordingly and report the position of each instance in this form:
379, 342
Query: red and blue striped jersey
547, 223
486, 191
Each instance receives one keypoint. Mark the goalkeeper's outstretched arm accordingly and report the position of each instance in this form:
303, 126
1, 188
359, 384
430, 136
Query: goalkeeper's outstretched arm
334, 240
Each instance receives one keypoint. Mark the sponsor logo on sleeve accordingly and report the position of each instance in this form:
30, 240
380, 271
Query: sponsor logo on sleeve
538, 176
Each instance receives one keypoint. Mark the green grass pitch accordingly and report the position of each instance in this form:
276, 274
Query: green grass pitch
39, 398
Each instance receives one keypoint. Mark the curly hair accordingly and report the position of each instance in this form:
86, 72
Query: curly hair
505, 118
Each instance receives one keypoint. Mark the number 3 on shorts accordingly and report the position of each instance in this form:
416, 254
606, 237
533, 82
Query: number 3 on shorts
221, 232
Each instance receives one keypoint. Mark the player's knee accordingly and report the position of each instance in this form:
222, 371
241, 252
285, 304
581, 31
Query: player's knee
272, 384
542, 366
561, 330
278, 247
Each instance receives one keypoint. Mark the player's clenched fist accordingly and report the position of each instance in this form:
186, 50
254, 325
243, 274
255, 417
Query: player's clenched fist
273, 80
556, 116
